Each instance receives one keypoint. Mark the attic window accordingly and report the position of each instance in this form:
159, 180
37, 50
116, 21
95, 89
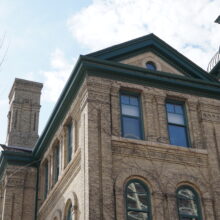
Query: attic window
151, 65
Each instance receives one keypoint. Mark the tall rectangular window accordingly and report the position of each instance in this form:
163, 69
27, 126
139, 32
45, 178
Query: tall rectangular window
56, 162
131, 116
46, 179
177, 127
69, 141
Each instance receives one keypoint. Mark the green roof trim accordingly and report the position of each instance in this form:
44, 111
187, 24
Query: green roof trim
139, 45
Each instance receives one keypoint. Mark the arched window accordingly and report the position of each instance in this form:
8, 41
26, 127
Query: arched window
137, 200
69, 212
151, 65
188, 204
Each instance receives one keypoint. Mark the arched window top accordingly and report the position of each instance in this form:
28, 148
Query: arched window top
150, 65
137, 198
188, 204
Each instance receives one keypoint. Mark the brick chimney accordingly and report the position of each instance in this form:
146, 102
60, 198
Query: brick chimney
23, 116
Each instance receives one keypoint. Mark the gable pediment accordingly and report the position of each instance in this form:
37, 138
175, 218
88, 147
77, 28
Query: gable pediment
169, 60
161, 65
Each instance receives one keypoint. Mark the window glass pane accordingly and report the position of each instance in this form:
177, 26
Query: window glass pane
186, 194
136, 196
124, 99
56, 163
133, 100
170, 107
69, 141
187, 207
177, 135
150, 66
69, 214
130, 110
175, 118
132, 215
136, 187
179, 109
137, 201
131, 128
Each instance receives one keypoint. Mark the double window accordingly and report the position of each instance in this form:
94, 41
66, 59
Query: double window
131, 116
188, 204
131, 121
177, 128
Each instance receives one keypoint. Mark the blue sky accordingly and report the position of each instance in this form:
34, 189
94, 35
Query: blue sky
45, 38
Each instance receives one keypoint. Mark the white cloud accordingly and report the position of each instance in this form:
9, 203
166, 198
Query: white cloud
56, 78
186, 25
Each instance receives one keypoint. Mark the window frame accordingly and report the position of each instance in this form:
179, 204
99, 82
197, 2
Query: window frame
149, 211
185, 118
140, 118
197, 201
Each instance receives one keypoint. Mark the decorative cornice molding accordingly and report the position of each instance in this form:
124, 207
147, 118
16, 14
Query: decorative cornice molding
210, 116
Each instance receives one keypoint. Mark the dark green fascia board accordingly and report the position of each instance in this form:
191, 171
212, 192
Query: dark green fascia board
69, 92
108, 69
151, 40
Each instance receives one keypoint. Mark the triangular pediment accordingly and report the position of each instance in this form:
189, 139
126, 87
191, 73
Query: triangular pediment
151, 48
161, 65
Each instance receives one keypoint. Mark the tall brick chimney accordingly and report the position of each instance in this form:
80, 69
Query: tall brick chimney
23, 116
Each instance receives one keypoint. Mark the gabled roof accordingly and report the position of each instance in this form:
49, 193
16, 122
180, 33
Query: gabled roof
153, 43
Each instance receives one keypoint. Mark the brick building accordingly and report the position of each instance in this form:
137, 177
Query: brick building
134, 135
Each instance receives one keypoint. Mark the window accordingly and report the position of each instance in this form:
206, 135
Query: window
177, 124
137, 200
46, 179
151, 65
69, 213
188, 204
56, 162
131, 116
69, 141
